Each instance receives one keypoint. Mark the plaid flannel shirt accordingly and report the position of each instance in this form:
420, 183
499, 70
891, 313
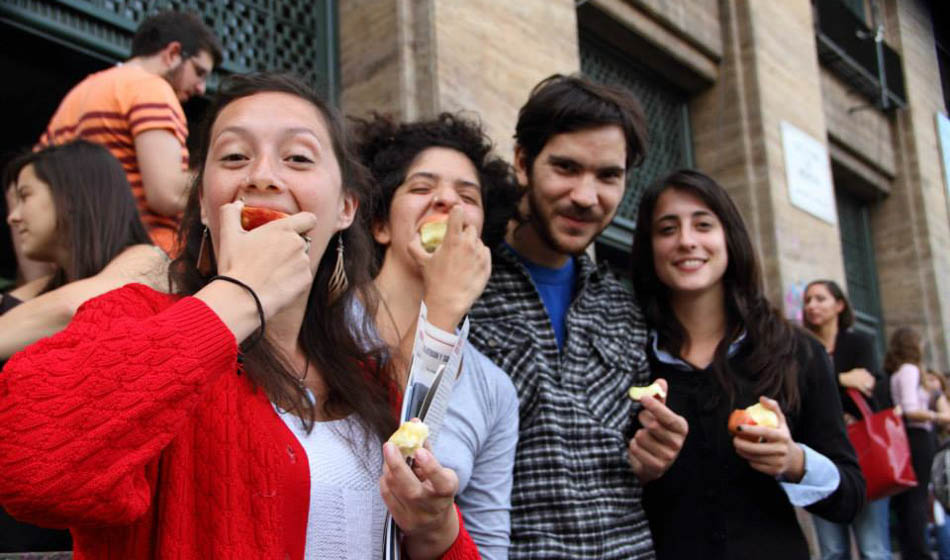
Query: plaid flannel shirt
574, 494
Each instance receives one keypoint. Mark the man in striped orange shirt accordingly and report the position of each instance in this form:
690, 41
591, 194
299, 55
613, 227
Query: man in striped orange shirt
134, 110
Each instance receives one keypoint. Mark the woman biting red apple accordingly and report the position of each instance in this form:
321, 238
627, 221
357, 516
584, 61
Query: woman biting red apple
765, 431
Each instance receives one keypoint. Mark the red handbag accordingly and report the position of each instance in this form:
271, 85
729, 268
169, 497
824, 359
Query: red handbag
880, 441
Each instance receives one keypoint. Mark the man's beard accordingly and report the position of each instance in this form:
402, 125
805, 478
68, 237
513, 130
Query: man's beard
173, 77
542, 226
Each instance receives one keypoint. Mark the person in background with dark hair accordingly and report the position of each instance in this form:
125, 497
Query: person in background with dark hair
72, 208
15, 268
827, 314
240, 417
569, 333
444, 167
722, 346
134, 110
940, 390
904, 363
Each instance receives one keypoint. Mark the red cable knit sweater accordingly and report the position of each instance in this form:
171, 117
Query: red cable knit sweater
132, 428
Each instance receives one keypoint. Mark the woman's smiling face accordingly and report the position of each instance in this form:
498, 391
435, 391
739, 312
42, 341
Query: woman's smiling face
689, 244
274, 150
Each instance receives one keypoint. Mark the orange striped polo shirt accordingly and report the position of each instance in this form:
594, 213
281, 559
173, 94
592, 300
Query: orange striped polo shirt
110, 108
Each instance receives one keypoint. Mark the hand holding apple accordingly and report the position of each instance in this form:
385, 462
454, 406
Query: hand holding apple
657, 444
755, 415
770, 450
271, 260
652, 390
455, 273
421, 500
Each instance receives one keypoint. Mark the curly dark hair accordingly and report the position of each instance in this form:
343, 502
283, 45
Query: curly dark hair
388, 148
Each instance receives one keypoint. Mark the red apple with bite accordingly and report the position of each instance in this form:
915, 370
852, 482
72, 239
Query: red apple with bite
254, 217
755, 415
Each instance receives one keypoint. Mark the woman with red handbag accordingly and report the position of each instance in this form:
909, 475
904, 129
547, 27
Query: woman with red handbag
827, 314
903, 363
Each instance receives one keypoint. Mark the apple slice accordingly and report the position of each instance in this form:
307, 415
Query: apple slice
755, 415
409, 437
432, 231
652, 390
254, 217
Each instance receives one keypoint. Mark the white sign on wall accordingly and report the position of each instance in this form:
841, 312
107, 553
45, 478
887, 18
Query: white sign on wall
808, 174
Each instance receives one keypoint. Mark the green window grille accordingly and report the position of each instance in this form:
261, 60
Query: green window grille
291, 35
854, 225
669, 144
856, 6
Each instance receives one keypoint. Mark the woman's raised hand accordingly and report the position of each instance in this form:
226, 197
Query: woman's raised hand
858, 378
272, 260
455, 274
657, 444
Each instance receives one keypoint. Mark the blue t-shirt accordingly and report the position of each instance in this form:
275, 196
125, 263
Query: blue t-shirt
556, 287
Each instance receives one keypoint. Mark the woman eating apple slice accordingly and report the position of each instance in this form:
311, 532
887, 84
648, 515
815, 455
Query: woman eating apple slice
442, 199
720, 346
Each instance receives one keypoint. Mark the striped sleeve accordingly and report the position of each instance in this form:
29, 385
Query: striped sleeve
144, 116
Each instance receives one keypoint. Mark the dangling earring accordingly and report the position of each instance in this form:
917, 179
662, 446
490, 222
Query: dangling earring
204, 263
338, 281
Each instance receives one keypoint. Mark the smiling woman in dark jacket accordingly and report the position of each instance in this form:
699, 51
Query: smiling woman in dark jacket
720, 345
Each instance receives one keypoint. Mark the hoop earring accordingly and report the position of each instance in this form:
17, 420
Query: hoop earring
204, 263
338, 281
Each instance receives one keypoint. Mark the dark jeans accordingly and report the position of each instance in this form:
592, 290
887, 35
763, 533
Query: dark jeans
16, 536
911, 505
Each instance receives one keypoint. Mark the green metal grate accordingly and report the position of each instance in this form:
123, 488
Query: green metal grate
290, 35
860, 270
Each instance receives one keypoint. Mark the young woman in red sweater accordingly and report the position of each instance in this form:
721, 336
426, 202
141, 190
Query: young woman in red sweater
146, 430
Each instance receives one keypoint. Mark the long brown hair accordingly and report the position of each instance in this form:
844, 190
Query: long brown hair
96, 216
357, 377
771, 341
904, 348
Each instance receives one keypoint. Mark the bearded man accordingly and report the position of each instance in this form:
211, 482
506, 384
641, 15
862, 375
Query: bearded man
134, 110
570, 335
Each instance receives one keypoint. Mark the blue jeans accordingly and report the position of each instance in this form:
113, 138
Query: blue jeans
943, 536
870, 528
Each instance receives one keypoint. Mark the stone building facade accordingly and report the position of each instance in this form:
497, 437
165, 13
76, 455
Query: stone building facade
733, 72
722, 82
